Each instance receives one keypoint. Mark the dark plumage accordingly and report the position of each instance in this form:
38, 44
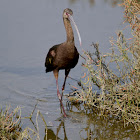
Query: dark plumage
63, 56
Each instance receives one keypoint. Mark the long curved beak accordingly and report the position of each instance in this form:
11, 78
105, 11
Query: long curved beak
72, 20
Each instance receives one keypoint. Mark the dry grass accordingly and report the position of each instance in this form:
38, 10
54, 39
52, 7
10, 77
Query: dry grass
11, 127
10, 124
119, 89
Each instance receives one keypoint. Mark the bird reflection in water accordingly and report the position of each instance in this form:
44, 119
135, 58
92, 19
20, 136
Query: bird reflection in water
52, 136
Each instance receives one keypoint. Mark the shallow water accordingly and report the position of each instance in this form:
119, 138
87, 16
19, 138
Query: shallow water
27, 30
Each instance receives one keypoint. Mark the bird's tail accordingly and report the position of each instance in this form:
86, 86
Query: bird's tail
47, 70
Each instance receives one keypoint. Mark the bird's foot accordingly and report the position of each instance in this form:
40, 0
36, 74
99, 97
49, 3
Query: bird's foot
62, 108
60, 99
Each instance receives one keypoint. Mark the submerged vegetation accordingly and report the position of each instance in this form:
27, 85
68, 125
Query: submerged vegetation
119, 87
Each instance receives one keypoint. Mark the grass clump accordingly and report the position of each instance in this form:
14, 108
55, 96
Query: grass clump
119, 87
11, 126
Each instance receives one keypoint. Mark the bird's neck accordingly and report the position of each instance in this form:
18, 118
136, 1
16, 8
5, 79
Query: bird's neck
69, 31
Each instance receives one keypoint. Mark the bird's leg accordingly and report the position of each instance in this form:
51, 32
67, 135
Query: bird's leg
58, 93
60, 98
66, 75
63, 87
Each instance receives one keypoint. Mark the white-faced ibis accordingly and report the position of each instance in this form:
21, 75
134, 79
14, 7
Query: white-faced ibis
65, 55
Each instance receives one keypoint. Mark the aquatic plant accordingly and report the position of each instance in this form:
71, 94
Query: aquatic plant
119, 86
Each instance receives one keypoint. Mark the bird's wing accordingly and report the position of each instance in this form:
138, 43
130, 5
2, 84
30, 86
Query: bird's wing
49, 63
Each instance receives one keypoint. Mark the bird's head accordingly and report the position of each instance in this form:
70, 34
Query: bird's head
67, 14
